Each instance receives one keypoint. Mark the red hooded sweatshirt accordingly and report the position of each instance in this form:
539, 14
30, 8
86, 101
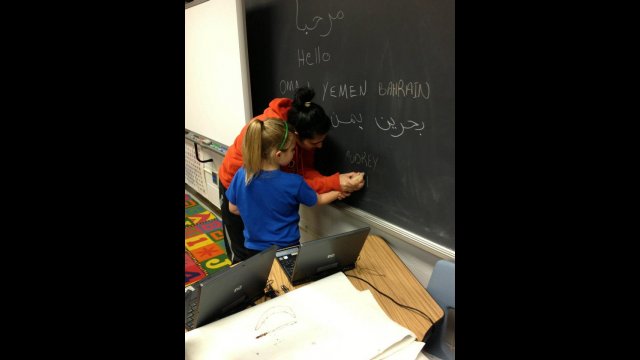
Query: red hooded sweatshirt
302, 163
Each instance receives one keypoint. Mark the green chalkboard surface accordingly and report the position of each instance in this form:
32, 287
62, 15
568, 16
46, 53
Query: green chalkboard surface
384, 71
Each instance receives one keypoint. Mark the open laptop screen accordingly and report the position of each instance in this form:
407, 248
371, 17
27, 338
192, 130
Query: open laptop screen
325, 256
233, 290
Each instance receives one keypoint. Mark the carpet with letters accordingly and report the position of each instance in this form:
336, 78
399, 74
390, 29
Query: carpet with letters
203, 242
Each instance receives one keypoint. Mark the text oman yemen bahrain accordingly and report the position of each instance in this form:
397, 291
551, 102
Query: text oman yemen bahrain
398, 88
389, 123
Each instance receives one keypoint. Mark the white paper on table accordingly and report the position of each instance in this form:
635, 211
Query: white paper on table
409, 351
328, 318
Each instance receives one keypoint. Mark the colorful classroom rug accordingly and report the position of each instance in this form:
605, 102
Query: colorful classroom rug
204, 251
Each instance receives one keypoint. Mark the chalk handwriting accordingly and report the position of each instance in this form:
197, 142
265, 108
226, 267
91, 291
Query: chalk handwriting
353, 119
307, 58
316, 20
306, 28
390, 125
397, 88
290, 85
345, 90
398, 129
362, 158
339, 16
411, 89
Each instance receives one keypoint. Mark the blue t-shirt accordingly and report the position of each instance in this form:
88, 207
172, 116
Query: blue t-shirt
269, 207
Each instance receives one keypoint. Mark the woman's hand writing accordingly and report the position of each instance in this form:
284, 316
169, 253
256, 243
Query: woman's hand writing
352, 181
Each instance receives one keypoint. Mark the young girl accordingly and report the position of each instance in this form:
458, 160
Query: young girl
312, 126
267, 198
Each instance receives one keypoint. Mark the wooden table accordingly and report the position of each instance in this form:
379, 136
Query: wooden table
381, 267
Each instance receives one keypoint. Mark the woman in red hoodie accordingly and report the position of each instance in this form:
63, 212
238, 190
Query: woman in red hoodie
312, 125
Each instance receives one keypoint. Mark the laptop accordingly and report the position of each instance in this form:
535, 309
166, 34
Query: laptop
228, 291
315, 259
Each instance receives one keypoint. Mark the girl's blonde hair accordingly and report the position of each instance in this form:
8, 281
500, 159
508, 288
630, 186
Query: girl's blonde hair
261, 141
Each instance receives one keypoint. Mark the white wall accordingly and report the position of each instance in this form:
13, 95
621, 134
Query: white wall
217, 89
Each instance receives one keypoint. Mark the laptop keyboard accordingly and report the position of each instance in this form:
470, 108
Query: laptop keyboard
288, 262
191, 309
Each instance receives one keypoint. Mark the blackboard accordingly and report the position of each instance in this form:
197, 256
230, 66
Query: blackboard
384, 71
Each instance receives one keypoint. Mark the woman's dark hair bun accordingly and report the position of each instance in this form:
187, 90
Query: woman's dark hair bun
303, 95
309, 119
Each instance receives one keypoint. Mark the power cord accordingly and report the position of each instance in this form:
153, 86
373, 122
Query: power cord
395, 302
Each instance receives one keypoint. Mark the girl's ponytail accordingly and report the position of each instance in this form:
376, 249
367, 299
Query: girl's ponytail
252, 150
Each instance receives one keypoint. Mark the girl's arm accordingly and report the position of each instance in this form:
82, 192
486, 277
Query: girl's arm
327, 197
234, 209
347, 182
